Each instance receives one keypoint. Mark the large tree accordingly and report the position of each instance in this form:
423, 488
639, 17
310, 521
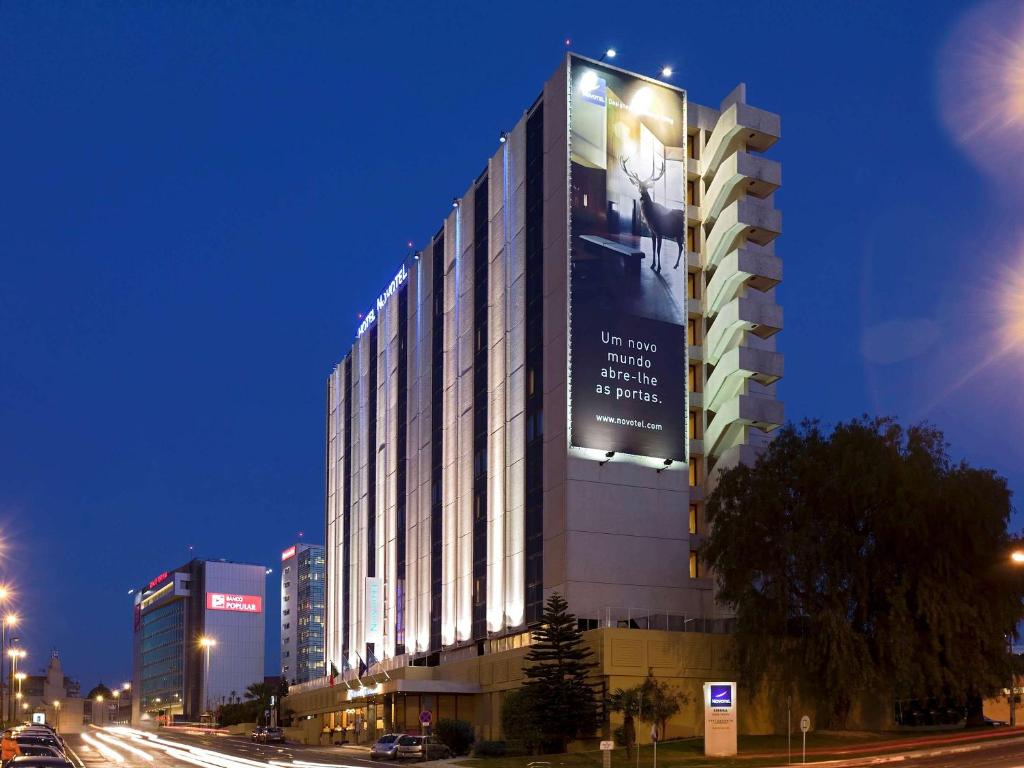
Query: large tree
562, 701
865, 561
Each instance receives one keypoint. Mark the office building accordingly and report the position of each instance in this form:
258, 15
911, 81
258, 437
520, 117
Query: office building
198, 639
303, 581
541, 397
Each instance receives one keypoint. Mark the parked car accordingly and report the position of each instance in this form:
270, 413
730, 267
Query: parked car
386, 746
39, 750
272, 735
412, 746
35, 739
32, 761
257, 733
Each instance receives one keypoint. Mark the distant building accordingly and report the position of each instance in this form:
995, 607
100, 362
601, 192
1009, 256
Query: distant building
175, 611
303, 578
53, 694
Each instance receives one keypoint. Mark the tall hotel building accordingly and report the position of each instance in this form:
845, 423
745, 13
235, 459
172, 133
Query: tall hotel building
540, 400
303, 582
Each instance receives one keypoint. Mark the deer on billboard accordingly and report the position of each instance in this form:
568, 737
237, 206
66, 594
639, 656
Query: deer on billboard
663, 222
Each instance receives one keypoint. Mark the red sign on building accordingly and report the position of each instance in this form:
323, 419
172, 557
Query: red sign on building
288, 552
218, 601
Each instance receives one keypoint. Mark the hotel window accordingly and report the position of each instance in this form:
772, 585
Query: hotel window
691, 146
691, 378
694, 566
691, 192
694, 470
691, 238
691, 285
691, 332
693, 518
695, 431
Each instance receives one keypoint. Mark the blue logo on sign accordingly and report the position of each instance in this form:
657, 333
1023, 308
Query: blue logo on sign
721, 695
592, 88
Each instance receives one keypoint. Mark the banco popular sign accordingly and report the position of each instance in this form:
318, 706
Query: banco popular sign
218, 601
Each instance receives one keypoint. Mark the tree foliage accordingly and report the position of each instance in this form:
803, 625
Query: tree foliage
457, 735
519, 719
560, 700
653, 702
865, 560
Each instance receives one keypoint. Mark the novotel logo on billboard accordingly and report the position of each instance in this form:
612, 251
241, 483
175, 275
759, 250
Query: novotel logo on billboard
721, 695
382, 300
290, 552
218, 601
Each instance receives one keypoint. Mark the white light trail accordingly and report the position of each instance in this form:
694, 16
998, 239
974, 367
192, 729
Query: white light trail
103, 749
116, 742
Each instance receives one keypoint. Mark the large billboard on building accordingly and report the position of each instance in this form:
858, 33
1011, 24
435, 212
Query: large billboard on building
627, 251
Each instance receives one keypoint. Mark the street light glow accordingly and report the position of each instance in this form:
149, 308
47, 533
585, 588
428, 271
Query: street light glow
611, 53
11, 619
207, 642
666, 71
1017, 556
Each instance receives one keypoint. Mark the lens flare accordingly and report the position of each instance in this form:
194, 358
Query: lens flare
1010, 308
981, 87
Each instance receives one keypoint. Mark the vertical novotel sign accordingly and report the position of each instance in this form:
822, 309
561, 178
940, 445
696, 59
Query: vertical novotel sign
719, 719
371, 316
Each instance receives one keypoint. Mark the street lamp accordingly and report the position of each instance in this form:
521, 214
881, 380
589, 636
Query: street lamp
1017, 558
56, 709
206, 643
9, 621
117, 705
15, 654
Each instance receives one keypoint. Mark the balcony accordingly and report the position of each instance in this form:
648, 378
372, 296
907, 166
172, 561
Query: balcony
742, 221
738, 316
740, 126
747, 266
734, 368
740, 174
730, 422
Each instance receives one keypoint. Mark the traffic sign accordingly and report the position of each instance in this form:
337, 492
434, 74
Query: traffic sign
805, 724
607, 746
425, 717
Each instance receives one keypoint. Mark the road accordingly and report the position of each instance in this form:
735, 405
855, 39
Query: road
129, 748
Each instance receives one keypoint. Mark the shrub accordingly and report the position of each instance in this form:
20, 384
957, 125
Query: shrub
489, 749
457, 735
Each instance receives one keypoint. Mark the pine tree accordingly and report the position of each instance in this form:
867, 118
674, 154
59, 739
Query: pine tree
565, 707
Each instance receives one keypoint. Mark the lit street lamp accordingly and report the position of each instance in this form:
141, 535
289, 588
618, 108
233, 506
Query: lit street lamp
56, 715
1017, 558
206, 643
9, 621
15, 654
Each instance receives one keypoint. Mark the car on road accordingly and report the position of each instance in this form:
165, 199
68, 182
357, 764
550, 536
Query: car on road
257, 733
31, 761
412, 746
272, 736
386, 746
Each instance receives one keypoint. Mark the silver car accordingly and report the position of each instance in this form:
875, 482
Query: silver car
412, 746
386, 746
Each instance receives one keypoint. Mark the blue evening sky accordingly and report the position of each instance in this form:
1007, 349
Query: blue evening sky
196, 200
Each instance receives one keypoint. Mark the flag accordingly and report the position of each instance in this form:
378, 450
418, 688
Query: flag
362, 664
334, 673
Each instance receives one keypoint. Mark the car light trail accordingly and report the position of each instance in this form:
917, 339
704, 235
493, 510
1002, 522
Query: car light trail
103, 749
116, 742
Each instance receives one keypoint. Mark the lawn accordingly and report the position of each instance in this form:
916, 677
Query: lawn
689, 753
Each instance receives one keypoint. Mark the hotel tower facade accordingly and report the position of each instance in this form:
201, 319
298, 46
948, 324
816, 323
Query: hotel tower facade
540, 400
